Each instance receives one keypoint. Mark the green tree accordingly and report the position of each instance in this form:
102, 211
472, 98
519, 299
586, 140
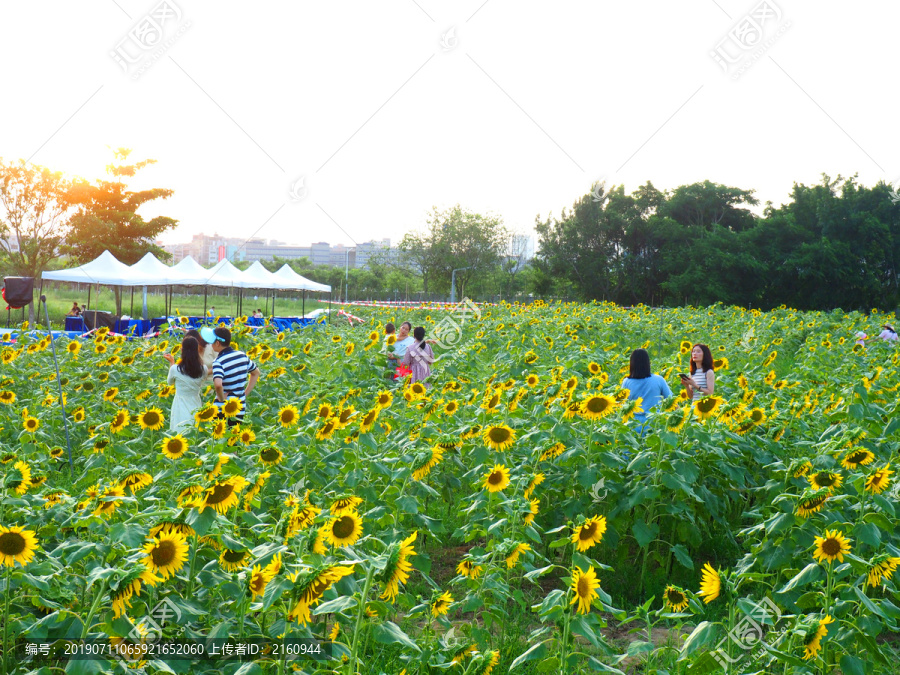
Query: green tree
107, 218
35, 202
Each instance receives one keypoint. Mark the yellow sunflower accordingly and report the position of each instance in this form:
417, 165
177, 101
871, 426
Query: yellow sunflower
513, 556
232, 407
813, 504
857, 458
398, 567
206, 413
343, 530
707, 406
468, 568
152, 418
499, 437
675, 598
812, 642
441, 604
222, 495
831, 547
710, 584
258, 580
31, 424
166, 553
496, 479
589, 533
288, 416
174, 447
879, 480
234, 561
17, 545
597, 406
825, 480
584, 588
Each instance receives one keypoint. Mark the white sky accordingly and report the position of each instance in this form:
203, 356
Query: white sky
523, 106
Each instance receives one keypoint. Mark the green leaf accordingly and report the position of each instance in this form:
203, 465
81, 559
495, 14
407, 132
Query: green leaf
703, 634
534, 652
200, 521
585, 630
871, 606
336, 606
539, 572
643, 533
130, 535
850, 665
390, 633
868, 533
274, 590
408, 504
639, 647
86, 666
682, 556
807, 575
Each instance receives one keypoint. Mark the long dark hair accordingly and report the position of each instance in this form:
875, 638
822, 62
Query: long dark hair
707, 362
419, 336
639, 366
194, 333
190, 363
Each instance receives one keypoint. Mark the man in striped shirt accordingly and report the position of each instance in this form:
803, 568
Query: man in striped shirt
234, 373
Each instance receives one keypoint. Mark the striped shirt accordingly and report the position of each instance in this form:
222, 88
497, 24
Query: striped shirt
232, 367
699, 378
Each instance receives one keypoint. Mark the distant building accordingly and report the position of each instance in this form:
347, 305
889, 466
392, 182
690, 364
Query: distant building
209, 249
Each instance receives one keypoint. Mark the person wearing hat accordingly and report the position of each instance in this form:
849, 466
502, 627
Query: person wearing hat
888, 334
234, 373
861, 338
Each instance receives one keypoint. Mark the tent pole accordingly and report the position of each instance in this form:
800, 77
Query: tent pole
132, 301
205, 290
89, 296
303, 310
273, 302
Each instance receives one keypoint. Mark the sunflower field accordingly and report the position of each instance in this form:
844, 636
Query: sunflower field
512, 516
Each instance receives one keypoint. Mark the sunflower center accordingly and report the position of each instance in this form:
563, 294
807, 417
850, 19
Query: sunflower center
175, 446
163, 553
675, 598
343, 527
596, 404
588, 532
287, 416
499, 435
234, 556
857, 457
831, 547
824, 479
813, 503
707, 405
269, 454
219, 494
368, 419
496, 478
12, 543
151, 419
584, 587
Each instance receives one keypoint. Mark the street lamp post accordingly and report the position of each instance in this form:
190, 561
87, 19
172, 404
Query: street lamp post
453, 283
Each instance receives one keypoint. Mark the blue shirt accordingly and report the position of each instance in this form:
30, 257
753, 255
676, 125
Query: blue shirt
652, 389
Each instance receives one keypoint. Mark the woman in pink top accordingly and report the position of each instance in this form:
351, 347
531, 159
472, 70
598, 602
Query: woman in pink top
419, 357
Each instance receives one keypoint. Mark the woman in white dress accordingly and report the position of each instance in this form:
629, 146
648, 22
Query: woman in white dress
188, 376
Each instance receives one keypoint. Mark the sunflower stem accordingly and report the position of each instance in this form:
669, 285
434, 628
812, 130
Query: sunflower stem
190, 583
94, 607
828, 588
565, 642
359, 616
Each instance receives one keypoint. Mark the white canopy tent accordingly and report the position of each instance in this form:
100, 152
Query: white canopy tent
149, 271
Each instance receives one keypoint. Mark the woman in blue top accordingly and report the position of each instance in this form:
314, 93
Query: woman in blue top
643, 384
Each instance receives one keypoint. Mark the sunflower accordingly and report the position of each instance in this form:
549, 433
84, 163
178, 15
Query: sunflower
499, 437
632, 408
468, 568
597, 406
335, 338
441, 604
327, 430
813, 639
325, 411
311, 586
223, 495
536, 480
450, 408
531, 357
31, 424
416, 391
246, 436
533, 506
288, 416
857, 458
343, 530
152, 418
881, 567
21, 482
166, 553
589, 533
706, 406
234, 561
17, 545
513, 556
878, 481
258, 580
825, 479
7, 397
584, 587
398, 567
496, 479
685, 347
675, 598
119, 422
831, 547
110, 394
594, 368
813, 504
426, 461
136, 481
710, 584
206, 413
232, 407
757, 416
553, 451
174, 447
